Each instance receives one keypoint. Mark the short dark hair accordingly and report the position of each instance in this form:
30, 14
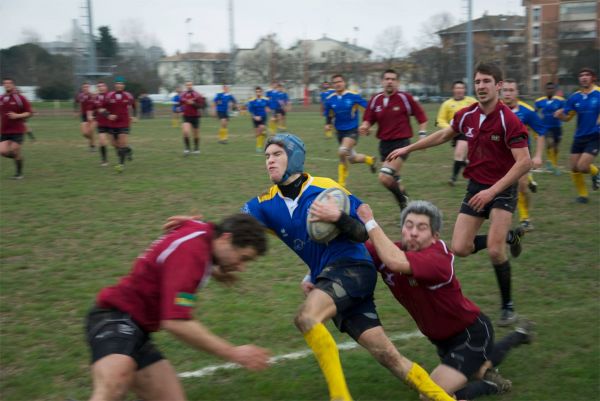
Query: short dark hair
8, 79
257, 88
245, 231
489, 69
389, 71
457, 82
550, 83
587, 69
338, 76
510, 81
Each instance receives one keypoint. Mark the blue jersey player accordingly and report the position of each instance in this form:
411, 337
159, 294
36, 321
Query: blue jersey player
342, 276
528, 116
341, 108
222, 101
258, 108
547, 106
586, 141
326, 90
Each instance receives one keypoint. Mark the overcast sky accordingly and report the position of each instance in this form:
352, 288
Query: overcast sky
164, 22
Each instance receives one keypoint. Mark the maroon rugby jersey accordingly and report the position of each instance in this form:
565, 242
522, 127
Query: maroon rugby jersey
86, 102
432, 294
101, 117
164, 279
491, 138
118, 103
191, 110
393, 115
17, 103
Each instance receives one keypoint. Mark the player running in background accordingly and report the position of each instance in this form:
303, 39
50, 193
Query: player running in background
283, 107
176, 108
341, 108
222, 101
391, 110
14, 109
118, 103
160, 293
419, 271
498, 156
586, 141
326, 90
103, 123
191, 102
444, 117
528, 116
84, 105
547, 106
258, 109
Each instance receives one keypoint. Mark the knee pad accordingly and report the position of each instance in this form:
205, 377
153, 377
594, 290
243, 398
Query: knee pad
352, 156
390, 172
342, 150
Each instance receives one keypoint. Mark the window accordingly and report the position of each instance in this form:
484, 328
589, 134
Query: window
535, 14
535, 33
536, 50
535, 85
535, 68
578, 11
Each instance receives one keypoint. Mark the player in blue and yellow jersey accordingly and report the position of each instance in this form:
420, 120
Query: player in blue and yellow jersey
586, 141
222, 100
528, 116
176, 108
258, 108
444, 117
283, 106
273, 96
341, 107
547, 106
325, 92
342, 276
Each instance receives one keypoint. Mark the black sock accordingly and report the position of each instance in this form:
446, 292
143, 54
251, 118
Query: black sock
398, 194
456, 169
186, 141
103, 153
19, 166
501, 348
122, 154
196, 143
475, 389
503, 277
480, 242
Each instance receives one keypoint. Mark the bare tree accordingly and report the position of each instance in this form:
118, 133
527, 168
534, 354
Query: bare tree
432, 26
389, 44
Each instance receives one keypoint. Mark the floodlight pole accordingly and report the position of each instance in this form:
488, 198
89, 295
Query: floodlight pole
469, 60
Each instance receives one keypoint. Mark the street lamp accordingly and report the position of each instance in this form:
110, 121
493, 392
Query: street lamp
189, 33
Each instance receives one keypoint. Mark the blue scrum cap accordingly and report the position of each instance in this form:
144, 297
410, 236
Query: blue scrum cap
294, 147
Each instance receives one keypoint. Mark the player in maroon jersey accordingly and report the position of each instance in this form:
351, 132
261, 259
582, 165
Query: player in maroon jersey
84, 106
419, 271
498, 156
103, 123
118, 103
191, 102
14, 110
160, 293
391, 110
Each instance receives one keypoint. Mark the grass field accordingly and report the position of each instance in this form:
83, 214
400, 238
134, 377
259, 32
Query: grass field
71, 227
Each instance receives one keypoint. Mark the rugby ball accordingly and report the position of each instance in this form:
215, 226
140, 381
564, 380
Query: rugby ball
320, 231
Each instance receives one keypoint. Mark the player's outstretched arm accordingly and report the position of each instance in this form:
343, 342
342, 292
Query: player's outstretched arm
175, 221
392, 256
195, 334
437, 138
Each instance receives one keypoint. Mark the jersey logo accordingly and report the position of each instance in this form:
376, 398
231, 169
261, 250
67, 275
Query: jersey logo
396, 108
298, 245
495, 138
469, 133
412, 282
378, 109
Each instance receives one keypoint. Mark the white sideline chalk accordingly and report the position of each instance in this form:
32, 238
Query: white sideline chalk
209, 370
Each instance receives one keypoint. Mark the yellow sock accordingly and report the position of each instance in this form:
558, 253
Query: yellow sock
579, 182
225, 133
369, 160
175, 123
550, 156
260, 141
529, 177
272, 127
282, 128
523, 205
342, 174
593, 169
555, 157
420, 380
328, 133
323, 345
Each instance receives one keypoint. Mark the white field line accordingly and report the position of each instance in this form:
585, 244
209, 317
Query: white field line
209, 370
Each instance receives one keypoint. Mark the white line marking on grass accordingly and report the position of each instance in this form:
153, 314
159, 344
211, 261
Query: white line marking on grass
209, 370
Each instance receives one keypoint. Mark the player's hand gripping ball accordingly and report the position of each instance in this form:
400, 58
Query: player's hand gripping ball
321, 231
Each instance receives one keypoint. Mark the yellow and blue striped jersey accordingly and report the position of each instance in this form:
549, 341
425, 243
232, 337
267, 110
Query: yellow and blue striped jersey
286, 218
449, 108
344, 109
587, 107
529, 117
548, 107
